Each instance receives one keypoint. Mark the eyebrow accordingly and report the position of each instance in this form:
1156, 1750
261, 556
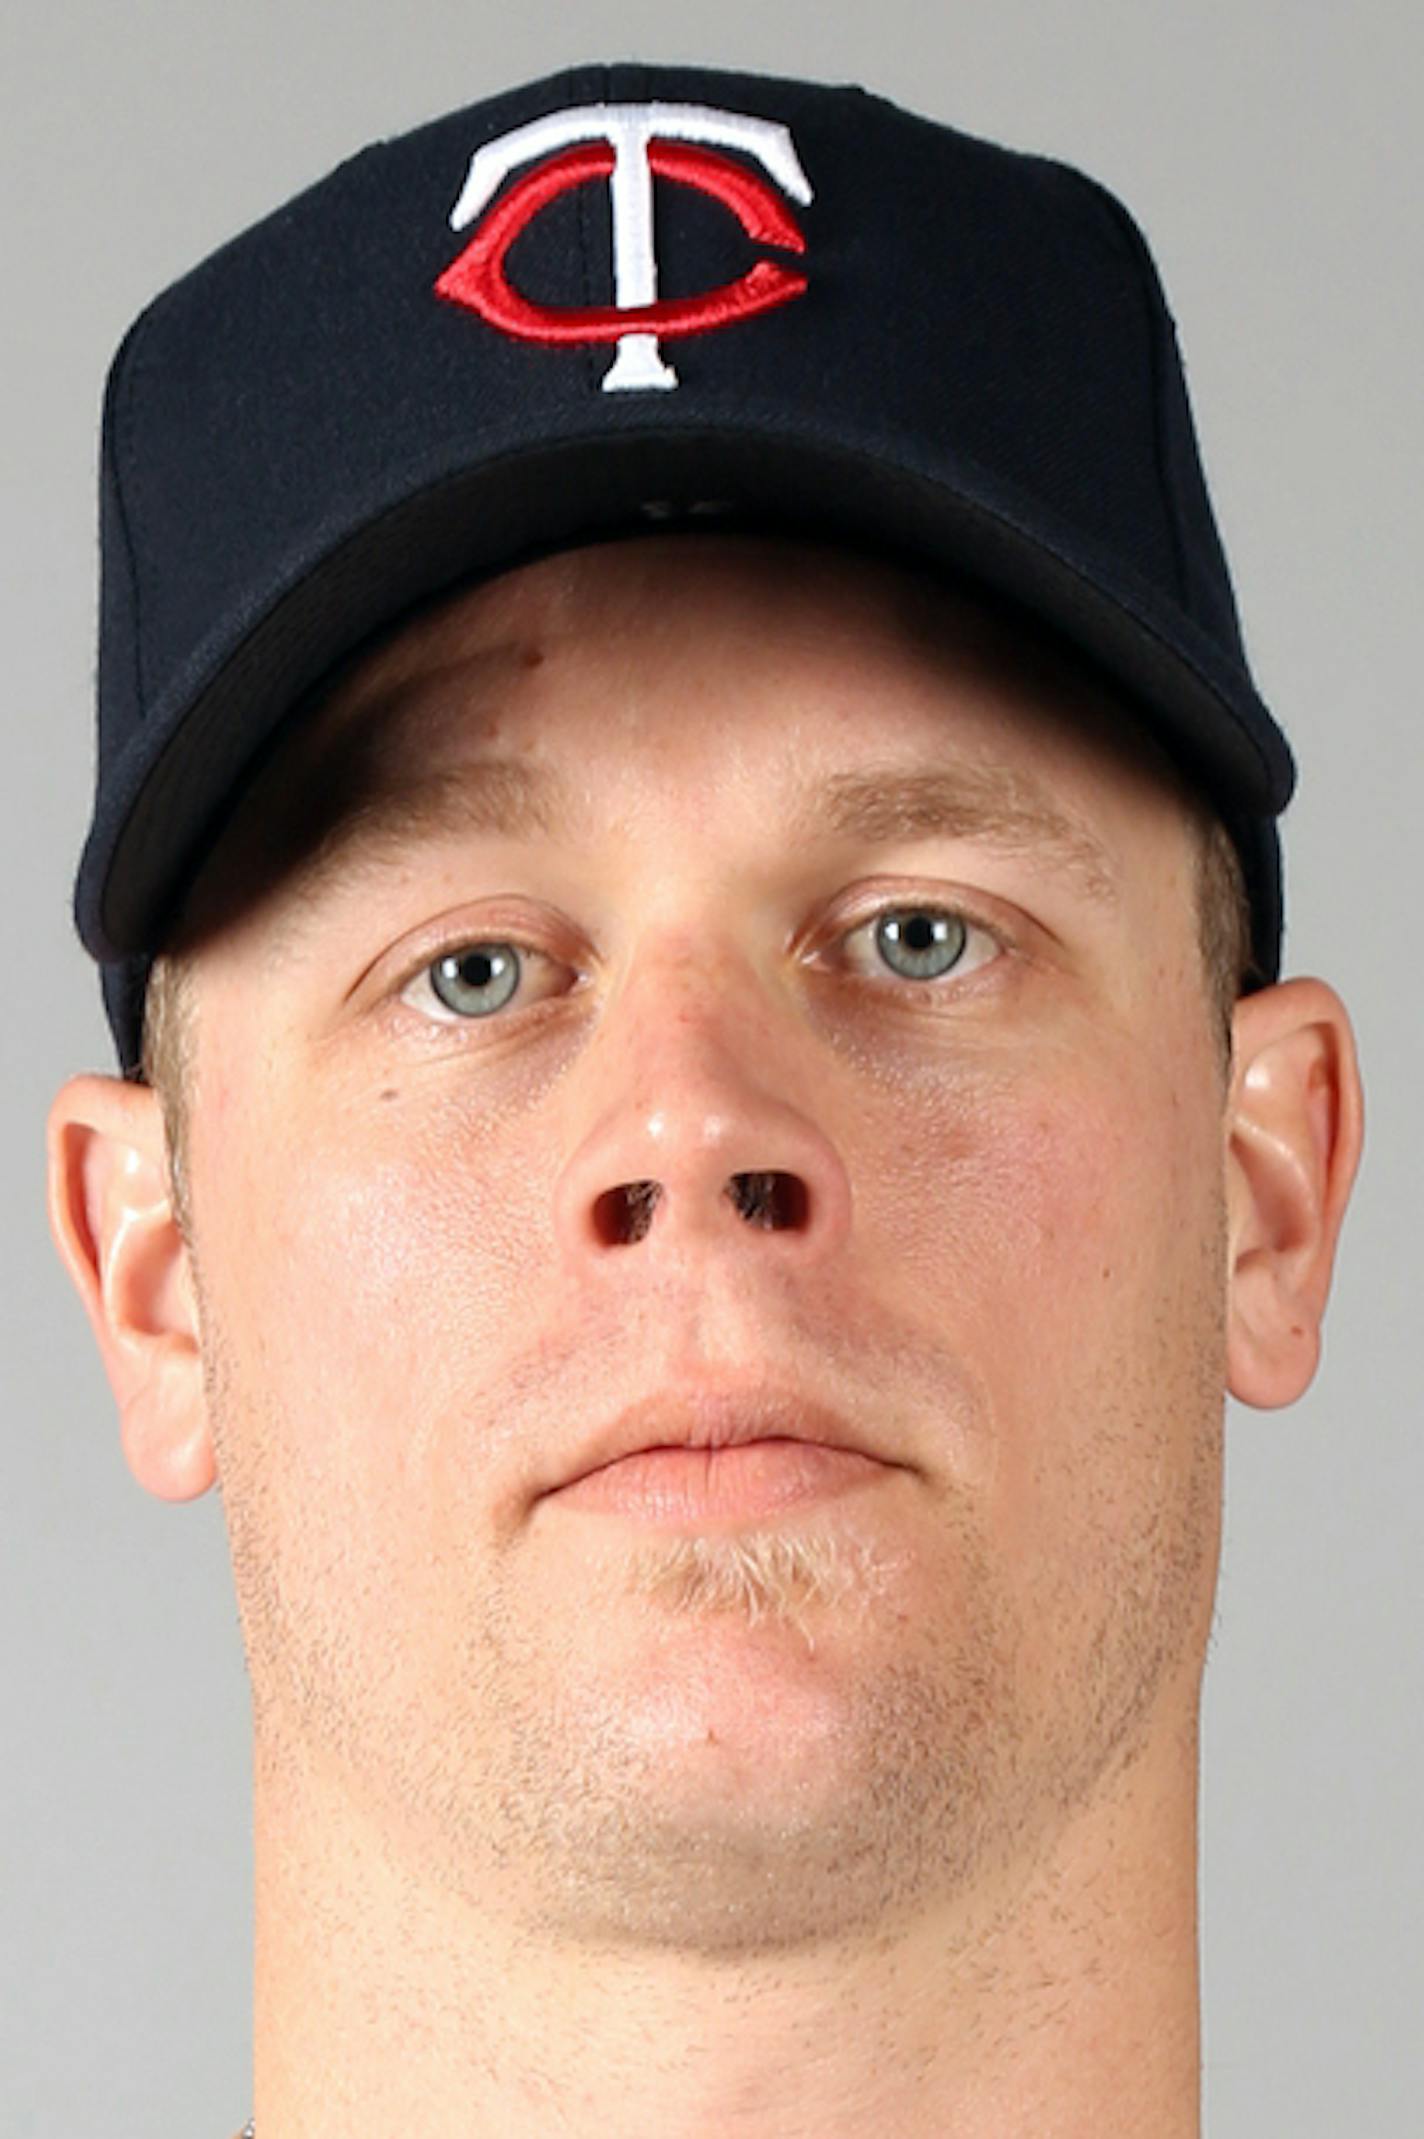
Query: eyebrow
994, 806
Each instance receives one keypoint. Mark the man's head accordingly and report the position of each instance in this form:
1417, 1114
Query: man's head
653, 953
1020, 1225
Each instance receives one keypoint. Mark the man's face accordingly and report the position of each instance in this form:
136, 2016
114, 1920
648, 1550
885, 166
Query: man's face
1001, 1256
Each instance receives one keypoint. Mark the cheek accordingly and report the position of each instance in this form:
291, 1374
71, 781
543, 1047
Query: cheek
1061, 1230
388, 1223
1019, 1197
369, 1341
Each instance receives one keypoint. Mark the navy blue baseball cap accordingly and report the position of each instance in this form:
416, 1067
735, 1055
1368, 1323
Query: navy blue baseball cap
642, 297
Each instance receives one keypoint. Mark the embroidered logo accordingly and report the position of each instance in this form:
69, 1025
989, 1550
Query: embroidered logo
628, 144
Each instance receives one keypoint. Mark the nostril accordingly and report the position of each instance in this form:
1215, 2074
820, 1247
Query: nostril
770, 1200
623, 1215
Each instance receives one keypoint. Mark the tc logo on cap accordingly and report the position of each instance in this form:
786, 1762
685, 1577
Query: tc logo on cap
627, 144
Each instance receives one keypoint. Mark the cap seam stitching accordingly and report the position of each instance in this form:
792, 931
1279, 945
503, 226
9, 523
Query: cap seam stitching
1158, 324
1159, 455
1146, 287
126, 508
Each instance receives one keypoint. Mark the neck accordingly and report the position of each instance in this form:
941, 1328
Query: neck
1062, 1994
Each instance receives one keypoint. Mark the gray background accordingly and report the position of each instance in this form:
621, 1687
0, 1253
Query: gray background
1272, 152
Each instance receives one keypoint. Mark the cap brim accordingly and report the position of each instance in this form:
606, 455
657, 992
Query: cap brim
186, 766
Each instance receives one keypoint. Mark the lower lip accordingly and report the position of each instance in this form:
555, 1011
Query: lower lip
686, 1485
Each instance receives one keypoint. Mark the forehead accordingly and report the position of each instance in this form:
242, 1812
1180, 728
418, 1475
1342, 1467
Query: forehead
448, 680
796, 596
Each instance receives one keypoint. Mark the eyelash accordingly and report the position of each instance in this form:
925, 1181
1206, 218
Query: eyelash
896, 983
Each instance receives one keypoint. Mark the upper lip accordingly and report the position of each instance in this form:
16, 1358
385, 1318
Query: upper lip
707, 1417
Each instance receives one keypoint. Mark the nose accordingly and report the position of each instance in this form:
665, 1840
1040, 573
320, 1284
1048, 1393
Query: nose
704, 1139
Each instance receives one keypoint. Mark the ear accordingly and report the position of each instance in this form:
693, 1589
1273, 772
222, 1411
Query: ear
1295, 1126
111, 1214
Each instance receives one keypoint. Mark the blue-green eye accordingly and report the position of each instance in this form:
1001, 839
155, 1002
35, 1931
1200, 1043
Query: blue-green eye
928, 942
471, 982
476, 979
922, 942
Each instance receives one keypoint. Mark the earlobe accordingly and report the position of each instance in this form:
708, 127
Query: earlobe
113, 1222
1294, 1129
